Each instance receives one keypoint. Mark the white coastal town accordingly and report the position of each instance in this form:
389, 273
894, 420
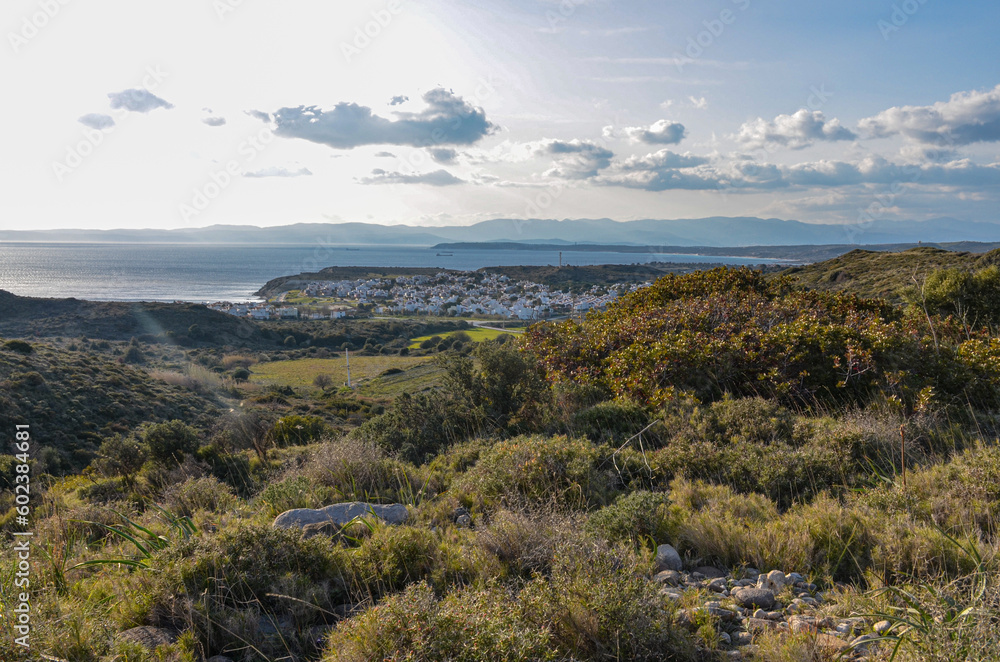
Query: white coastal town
444, 294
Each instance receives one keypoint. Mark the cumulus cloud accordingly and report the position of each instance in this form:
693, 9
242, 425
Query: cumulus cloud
436, 178
966, 118
444, 155
447, 120
575, 159
97, 121
667, 171
398, 100
137, 100
214, 121
277, 171
797, 131
663, 132
385, 155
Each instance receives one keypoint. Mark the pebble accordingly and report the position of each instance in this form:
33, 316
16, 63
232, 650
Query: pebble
754, 597
757, 610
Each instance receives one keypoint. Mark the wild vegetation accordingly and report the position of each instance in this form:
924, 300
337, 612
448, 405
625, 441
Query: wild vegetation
742, 419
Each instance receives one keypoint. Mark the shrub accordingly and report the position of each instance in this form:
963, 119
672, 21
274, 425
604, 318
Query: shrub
356, 471
614, 421
466, 625
733, 331
290, 493
169, 442
634, 517
525, 542
297, 430
19, 346
536, 469
392, 557
241, 375
121, 456
208, 494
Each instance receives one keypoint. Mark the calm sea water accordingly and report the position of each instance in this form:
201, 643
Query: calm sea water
170, 272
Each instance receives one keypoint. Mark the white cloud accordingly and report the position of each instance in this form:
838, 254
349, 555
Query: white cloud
796, 131
137, 100
662, 132
436, 178
966, 118
97, 121
447, 120
277, 171
575, 159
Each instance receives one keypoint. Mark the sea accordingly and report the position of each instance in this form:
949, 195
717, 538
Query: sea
205, 273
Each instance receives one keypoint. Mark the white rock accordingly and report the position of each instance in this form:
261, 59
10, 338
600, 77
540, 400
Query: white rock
340, 514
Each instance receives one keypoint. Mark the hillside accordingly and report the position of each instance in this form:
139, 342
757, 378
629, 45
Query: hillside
75, 398
883, 274
24, 317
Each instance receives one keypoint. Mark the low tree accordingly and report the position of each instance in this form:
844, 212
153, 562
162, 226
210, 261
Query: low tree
121, 456
169, 442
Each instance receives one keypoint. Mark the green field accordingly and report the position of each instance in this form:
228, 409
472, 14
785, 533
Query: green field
477, 335
302, 372
295, 298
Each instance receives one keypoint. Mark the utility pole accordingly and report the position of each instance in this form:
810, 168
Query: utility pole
348, 351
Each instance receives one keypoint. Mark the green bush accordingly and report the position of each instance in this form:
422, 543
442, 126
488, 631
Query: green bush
290, 493
614, 421
297, 430
19, 346
121, 456
635, 517
537, 469
195, 494
169, 442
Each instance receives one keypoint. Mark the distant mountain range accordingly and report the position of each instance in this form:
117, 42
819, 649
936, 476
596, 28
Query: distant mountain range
714, 231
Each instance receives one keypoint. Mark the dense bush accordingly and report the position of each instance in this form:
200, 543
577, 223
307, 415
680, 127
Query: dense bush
297, 430
733, 331
169, 442
537, 468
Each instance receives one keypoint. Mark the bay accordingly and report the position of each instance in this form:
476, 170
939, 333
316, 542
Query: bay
185, 272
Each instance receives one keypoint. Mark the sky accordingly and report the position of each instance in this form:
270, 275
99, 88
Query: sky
189, 113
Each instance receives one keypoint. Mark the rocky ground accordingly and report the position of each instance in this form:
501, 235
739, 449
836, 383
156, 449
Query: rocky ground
748, 604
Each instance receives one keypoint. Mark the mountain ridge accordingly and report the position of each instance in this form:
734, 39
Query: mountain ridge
712, 231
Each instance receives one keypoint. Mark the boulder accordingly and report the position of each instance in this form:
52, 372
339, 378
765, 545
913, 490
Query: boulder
773, 581
667, 558
668, 577
340, 514
710, 572
149, 637
749, 598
